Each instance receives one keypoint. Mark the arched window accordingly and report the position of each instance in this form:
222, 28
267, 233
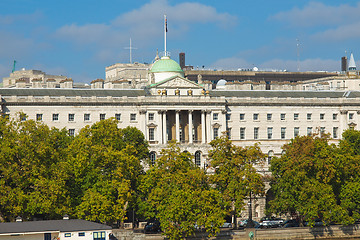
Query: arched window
152, 158
270, 156
198, 158
257, 210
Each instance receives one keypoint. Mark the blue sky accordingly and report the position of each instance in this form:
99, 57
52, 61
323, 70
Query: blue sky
80, 38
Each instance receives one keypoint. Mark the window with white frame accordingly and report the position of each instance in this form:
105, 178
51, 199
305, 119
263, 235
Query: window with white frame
87, 117
255, 116
282, 116
198, 158
335, 116
308, 116
309, 131
215, 116
133, 117
322, 116
99, 235
118, 116
296, 131
151, 134
71, 117
269, 132
152, 157
216, 132
283, 132
72, 132
296, 116
55, 117
242, 116
102, 116
151, 116
269, 116
39, 117
351, 116
242, 133
256, 133
335, 132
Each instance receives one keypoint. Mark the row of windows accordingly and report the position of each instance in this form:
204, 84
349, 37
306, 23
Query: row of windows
87, 117
296, 132
197, 157
296, 116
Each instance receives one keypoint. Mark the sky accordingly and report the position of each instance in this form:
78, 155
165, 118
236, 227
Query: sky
78, 39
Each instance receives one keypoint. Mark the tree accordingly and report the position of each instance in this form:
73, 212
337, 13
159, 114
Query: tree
31, 173
104, 168
179, 195
308, 179
235, 175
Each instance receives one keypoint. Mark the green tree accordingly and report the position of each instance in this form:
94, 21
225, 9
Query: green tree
235, 174
308, 179
179, 195
104, 168
31, 170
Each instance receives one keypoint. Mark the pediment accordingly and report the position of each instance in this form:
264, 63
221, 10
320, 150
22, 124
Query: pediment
176, 83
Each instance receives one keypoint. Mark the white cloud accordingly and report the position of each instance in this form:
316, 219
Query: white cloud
21, 18
144, 25
319, 14
341, 33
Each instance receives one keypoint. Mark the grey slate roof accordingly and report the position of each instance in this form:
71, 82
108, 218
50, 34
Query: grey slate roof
70, 225
71, 92
284, 94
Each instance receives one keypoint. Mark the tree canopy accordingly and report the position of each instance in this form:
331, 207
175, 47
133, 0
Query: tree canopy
178, 194
315, 179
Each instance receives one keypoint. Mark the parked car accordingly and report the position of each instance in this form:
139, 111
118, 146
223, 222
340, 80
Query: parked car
271, 222
244, 223
291, 223
227, 225
152, 227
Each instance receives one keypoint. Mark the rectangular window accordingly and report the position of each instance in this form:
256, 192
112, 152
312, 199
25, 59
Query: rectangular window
335, 132
296, 116
351, 116
133, 117
283, 133
216, 132
242, 116
269, 116
309, 131
55, 117
228, 132
67, 235
308, 116
322, 116
256, 133
99, 235
228, 117
242, 133
72, 132
39, 117
118, 116
282, 116
71, 117
322, 131
255, 116
151, 116
335, 116
87, 117
269, 132
215, 116
81, 234
102, 116
151, 134
296, 131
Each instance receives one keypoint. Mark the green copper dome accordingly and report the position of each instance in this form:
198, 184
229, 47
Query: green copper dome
165, 64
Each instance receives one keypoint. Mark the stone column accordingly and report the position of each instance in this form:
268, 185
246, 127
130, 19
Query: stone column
164, 128
190, 127
159, 128
143, 124
223, 122
208, 126
203, 129
177, 125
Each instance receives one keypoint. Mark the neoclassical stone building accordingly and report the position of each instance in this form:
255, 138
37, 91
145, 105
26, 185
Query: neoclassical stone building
165, 106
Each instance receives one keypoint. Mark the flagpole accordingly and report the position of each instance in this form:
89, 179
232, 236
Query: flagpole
165, 30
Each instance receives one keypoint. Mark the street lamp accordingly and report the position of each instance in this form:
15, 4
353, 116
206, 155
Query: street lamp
250, 222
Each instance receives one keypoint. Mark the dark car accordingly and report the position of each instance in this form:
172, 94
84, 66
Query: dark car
152, 227
291, 223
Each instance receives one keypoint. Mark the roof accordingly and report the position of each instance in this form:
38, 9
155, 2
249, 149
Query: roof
284, 94
71, 92
165, 64
70, 225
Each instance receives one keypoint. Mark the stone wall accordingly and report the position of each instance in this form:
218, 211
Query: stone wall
330, 232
